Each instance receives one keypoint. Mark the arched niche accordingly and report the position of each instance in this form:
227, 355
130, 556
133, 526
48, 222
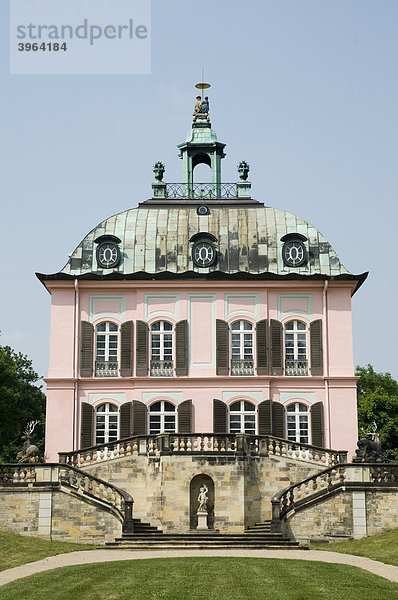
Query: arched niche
194, 488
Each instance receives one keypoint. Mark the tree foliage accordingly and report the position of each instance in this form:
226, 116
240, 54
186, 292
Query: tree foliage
378, 402
21, 401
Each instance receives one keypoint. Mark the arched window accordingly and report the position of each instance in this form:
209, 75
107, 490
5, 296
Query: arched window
242, 361
106, 364
242, 417
297, 421
162, 417
162, 349
296, 361
106, 423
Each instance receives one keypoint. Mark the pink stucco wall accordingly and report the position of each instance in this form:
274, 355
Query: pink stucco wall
62, 333
201, 303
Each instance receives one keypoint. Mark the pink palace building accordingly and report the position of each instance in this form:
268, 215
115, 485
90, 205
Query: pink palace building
201, 310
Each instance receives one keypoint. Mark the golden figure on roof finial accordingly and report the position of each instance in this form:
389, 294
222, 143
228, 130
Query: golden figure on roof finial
202, 105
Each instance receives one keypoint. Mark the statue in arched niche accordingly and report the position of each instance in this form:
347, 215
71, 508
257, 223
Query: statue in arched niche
203, 498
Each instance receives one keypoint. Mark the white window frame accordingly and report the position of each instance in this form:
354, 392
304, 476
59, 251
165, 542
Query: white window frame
107, 335
162, 413
162, 333
297, 413
241, 332
296, 332
108, 438
242, 413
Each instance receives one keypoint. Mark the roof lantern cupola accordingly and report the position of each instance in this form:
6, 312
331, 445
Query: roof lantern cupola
202, 147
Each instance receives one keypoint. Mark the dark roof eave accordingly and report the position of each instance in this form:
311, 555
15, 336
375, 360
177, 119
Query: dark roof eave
216, 275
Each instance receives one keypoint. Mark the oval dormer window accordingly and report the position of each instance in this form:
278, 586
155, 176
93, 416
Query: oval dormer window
204, 252
294, 252
108, 252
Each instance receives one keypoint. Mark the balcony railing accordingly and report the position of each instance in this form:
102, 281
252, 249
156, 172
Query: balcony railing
242, 367
161, 368
296, 367
204, 444
201, 190
106, 368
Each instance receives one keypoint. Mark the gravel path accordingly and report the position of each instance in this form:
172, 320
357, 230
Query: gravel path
97, 556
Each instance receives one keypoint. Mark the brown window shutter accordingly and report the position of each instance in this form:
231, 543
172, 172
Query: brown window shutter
139, 418
182, 348
86, 349
262, 347
185, 417
126, 420
126, 349
222, 347
317, 425
219, 417
86, 425
142, 348
316, 347
276, 347
278, 419
265, 418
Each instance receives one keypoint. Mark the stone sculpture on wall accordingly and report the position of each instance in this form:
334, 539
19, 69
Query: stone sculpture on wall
29, 453
369, 450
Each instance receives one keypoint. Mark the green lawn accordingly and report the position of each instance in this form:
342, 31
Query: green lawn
203, 579
382, 547
18, 549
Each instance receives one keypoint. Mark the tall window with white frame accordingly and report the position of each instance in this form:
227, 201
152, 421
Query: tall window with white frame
242, 360
296, 361
297, 421
242, 417
162, 417
162, 349
106, 423
106, 363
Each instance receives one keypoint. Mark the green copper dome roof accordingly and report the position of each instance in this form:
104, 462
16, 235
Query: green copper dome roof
157, 240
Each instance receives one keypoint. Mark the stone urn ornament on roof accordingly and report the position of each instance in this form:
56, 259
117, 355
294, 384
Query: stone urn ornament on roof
158, 169
243, 170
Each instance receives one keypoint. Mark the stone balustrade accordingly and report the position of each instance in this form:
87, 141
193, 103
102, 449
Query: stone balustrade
117, 501
203, 443
384, 474
348, 476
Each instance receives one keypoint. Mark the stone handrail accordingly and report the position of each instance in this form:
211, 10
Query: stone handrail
298, 495
203, 443
117, 501
383, 473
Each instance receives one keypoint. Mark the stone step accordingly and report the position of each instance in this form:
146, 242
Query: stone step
244, 537
202, 546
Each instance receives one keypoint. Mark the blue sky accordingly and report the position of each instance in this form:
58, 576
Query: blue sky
304, 90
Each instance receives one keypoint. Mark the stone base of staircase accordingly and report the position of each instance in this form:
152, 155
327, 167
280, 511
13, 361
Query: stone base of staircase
147, 537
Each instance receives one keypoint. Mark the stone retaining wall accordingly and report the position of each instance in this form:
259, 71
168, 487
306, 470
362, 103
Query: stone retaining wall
55, 514
161, 486
349, 513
